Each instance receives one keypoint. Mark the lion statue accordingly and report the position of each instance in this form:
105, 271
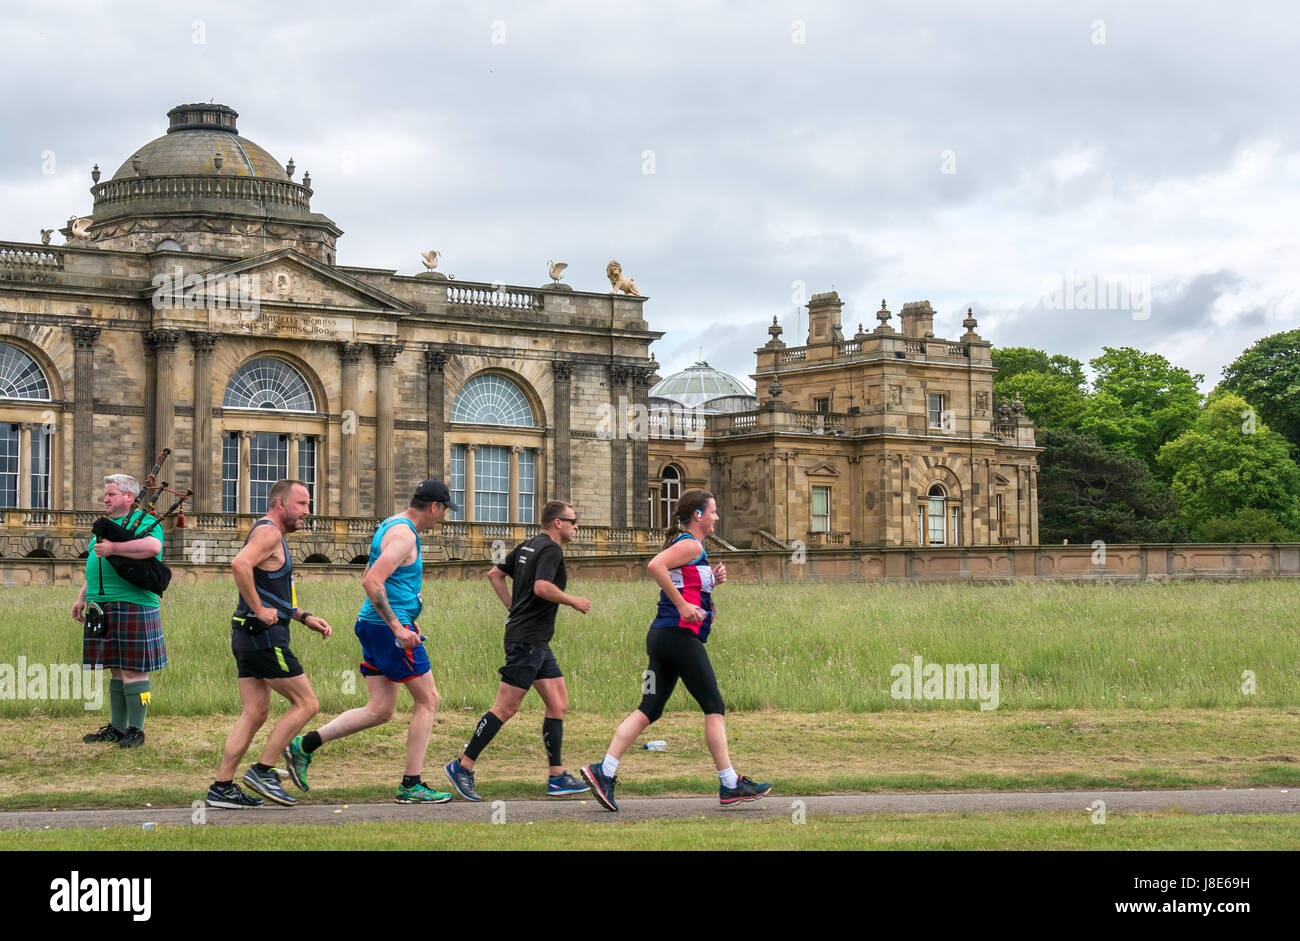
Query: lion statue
614, 271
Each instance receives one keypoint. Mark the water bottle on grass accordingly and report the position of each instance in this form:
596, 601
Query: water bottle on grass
656, 745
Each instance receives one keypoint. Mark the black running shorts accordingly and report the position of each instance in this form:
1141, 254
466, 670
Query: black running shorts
526, 663
274, 663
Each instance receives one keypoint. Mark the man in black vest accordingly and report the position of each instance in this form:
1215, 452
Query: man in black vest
259, 639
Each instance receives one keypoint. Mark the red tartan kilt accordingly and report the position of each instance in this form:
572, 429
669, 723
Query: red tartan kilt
133, 639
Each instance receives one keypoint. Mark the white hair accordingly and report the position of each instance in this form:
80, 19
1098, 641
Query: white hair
123, 483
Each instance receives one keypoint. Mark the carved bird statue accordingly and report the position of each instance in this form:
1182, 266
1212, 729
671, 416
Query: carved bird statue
557, 269
45, 236
81, 226
431, 258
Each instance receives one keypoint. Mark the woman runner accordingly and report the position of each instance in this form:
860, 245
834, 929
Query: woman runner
675, 645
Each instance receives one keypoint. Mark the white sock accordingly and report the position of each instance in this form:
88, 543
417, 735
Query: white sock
609, 766
728, 777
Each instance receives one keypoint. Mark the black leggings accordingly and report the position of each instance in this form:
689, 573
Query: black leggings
677, 652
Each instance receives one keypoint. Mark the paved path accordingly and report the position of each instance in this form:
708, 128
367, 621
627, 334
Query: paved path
1241, 801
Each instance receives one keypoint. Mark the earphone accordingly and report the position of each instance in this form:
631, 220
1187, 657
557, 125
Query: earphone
699, 514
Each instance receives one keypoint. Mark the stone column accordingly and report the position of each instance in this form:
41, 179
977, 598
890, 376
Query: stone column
641, 449
385, 355
856, 497
563, 453
245, 471
349, 485
163, 343
469, 482
291, 470
512, 509
207, 493
618, 379
435, 361
83, 421
1033, 507
25, 464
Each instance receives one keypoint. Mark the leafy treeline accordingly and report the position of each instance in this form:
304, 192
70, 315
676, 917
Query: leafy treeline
1139, 455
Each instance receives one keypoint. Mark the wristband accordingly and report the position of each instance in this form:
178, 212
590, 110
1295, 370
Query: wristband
305, 615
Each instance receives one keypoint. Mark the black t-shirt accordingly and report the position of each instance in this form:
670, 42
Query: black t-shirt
532, 619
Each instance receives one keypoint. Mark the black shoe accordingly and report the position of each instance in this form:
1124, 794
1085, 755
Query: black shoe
268, 785
602, 788
131, 738
108, 733
745, 790
230, 797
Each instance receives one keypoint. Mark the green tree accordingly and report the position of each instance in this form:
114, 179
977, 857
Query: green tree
1087, 491
1245, 526
1139, 401
1268, 377
1052, 387
1229, 461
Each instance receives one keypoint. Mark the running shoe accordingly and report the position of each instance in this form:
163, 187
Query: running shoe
462, 781
745, 790
421, 794
131, 738
267, 783
108, 733
297, 761
562, 784
231, 797
602, 788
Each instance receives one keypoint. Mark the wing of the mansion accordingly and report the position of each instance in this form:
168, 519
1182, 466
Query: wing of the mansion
199, 307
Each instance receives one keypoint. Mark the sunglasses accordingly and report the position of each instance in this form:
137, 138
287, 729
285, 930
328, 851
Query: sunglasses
567, 519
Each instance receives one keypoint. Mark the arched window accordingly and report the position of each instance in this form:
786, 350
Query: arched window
492, 400
495, 467
254, 459
271, 384
25, 444
670, 493
20, 377
938, 518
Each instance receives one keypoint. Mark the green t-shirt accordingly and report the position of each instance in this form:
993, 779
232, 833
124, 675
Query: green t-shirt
116, 588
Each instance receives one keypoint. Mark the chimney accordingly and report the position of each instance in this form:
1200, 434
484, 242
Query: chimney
824, 319
918, 319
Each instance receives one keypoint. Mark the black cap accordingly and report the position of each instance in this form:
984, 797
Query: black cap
435, 491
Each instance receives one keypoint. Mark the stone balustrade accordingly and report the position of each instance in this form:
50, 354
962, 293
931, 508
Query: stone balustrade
282, 192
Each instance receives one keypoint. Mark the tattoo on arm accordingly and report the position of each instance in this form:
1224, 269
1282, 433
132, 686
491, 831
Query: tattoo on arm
380, 601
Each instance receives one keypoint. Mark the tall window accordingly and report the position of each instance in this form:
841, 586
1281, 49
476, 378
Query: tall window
527, 485
268, 462
307, 466
8, 465
822, 405
492, 484
229, 473
481, 477
458, 480
1001, 531
23, 383
936, 515
821, 509
670, 493
936, 410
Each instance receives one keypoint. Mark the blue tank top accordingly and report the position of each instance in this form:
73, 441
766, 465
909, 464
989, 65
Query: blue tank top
695, 583
403, 586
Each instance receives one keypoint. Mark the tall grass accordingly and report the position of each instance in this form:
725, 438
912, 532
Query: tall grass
802, 647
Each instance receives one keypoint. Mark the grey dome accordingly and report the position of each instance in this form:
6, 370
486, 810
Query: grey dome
700, 385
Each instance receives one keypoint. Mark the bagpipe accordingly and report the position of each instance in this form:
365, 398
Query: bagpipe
150, 573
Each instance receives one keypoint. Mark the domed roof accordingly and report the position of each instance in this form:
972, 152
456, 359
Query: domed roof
698, 385
196, 135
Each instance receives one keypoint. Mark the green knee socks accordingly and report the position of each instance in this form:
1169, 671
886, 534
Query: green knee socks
136, 696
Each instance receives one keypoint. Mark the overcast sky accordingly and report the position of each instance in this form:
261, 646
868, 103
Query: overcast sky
736, 155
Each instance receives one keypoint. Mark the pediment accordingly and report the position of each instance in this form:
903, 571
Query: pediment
822, 470
283, 277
